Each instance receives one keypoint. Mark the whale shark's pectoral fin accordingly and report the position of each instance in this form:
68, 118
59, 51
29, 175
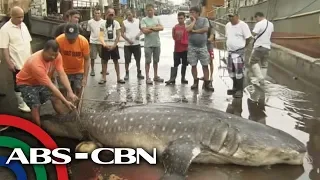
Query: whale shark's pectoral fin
177, 158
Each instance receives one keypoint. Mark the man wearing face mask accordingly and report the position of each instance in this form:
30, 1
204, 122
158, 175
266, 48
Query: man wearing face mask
109, 38
75, 53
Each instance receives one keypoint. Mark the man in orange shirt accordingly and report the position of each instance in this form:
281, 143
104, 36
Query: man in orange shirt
75, 53
34, 81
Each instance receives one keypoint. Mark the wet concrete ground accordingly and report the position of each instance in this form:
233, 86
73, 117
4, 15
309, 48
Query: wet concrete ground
288, 105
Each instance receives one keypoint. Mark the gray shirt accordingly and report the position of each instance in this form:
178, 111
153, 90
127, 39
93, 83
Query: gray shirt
152, 39
196, 39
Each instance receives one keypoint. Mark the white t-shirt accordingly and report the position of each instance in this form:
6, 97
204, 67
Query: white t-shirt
237, 35
132, 30
116, 26
94, 29
263, 40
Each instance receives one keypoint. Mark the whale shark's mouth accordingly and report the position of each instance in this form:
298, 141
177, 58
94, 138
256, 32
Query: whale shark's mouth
251, 159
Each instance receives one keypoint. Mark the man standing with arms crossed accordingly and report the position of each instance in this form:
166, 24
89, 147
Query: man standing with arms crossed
238, 38
258, 63
95, 45
75, 53
131, 33
16, 45
198, 28
151, 26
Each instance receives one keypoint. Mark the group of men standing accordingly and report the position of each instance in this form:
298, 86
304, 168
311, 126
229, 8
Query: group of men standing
65, 59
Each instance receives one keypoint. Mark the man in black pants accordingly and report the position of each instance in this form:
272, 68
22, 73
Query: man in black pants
180, 36
131, 32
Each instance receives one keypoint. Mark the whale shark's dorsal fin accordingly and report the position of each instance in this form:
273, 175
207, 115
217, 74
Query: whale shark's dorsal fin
177, 158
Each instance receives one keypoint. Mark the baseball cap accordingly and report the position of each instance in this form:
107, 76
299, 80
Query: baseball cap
71, 31
232, 12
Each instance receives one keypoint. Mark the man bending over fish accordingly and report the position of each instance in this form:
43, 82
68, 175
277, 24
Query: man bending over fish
34, 81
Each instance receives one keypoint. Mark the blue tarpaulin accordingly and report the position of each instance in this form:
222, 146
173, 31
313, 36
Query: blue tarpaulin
123, 2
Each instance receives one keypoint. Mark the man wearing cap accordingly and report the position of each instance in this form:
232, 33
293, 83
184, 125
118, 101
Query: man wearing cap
75, 53
238, 37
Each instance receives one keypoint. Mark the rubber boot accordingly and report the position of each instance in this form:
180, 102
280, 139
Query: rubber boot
173, 76
139, 75
256, 70
21, 104
239, 87
233, 90
183, 75
195, 84
207, 85
126, 77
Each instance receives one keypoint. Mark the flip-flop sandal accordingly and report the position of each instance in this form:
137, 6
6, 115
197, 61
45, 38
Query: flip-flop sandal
149, 81
102, 81
121, 81
158, 79
106, 73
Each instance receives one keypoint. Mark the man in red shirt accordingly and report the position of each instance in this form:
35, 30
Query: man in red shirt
180, 36
34, 81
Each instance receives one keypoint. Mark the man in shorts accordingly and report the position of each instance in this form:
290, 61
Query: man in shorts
151, 26
34, 81
258, 63
95, 45
110, 32
198, 28
75, 53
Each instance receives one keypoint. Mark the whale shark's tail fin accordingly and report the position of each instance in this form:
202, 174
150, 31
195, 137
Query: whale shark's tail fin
177, 158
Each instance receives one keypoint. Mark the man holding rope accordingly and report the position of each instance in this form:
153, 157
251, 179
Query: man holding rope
34, 81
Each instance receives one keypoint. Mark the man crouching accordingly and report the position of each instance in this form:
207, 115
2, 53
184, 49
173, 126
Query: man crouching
34, 81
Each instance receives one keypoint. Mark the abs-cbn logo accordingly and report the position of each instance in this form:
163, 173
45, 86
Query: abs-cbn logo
47, 156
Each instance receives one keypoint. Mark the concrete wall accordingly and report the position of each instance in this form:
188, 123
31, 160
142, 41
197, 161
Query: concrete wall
282, 12
299, 65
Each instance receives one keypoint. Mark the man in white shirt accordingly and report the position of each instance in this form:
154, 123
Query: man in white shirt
110, 32
131, 32
16, 45
238, 37
258, 62
95, 45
